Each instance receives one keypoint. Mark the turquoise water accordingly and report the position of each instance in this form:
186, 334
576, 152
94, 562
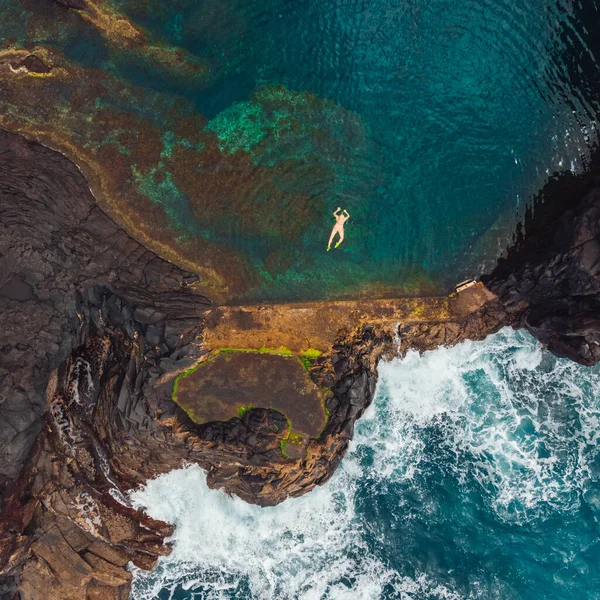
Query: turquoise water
432, 121
451, 115
474, 475
448, 115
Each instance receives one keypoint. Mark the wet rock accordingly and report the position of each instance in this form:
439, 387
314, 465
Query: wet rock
17, 289
31, 63
548, 283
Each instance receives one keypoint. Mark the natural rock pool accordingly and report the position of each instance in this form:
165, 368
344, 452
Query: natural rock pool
236, 128
222, 135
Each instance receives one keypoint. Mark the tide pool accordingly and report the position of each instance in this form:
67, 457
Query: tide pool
237, 127
474, 475
434, 123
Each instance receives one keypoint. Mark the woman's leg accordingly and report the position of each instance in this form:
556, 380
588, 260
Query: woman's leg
333, 232
341, 238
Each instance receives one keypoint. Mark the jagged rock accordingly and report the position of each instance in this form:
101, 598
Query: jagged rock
56, 256
95, 329
549, 283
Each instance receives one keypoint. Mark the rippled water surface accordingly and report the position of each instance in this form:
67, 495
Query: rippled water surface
448, 115
432, 121
475, 474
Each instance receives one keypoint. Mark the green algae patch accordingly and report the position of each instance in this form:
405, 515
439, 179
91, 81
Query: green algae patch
306, 357
240, 127
292, 445
417, 312
281, 351
283, 451
242, 410
233, 381
181, 376
295, 438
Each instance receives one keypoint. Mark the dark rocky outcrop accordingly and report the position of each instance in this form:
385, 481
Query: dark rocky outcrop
31, 63
549, 282
95, 328
63, 264
57, 250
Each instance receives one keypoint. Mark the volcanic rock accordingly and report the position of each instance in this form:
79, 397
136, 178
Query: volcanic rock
96, 329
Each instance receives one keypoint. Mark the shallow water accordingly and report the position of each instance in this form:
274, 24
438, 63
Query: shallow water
432, 121
475, 474
450, 115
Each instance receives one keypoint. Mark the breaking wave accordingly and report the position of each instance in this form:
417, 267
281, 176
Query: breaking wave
473, 475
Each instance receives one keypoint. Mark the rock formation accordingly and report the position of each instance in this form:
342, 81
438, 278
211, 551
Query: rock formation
549, 282
60, 255
95, 329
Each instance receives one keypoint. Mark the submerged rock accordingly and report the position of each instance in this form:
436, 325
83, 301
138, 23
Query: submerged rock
31, 63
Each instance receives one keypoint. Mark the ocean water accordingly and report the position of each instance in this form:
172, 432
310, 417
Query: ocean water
433, 122
475, 474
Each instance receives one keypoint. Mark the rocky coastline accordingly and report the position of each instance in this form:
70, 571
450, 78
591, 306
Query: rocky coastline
96, 328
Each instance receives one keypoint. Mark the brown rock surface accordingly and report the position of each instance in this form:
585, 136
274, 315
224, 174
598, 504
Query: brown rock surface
317, 325
232, 382
96, 329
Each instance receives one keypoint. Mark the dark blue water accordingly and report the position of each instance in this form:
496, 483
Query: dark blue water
476, 474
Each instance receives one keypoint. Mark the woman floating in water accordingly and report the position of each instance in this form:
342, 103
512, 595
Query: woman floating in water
338, 228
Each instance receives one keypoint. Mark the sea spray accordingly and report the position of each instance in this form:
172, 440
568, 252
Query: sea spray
473, 475
519, 421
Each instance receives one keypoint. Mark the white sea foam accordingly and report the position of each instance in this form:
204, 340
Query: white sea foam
520, 423
309, 548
